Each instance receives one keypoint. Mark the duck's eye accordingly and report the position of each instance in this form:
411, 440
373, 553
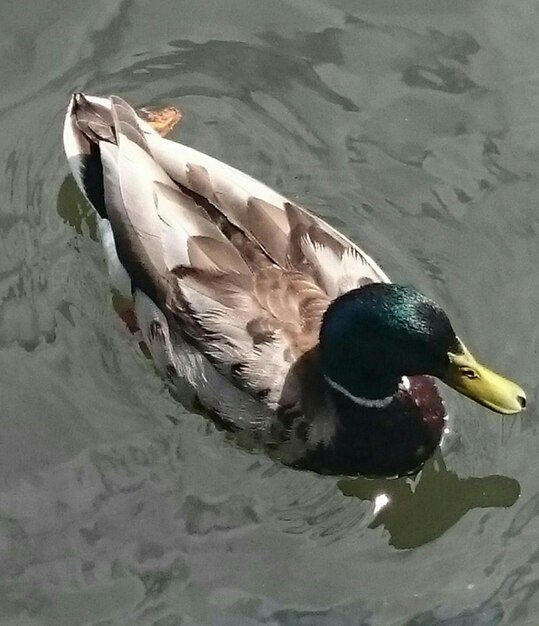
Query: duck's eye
468, 372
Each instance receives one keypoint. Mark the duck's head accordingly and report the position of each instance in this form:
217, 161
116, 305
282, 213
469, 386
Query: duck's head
373, 336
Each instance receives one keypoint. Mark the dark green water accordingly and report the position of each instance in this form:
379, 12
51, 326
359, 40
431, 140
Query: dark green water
411, 126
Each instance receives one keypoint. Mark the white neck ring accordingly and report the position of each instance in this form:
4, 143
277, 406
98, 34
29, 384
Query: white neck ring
373, 403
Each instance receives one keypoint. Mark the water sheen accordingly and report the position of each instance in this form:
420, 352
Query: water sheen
411, 126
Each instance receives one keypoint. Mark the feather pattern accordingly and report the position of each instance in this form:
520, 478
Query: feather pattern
262, 214
234, 268
230, 279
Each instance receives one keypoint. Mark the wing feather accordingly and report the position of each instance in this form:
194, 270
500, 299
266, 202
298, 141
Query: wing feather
254, 328
268, 218
240, 275
190, 238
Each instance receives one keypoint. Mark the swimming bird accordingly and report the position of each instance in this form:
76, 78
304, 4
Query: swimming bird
263, 316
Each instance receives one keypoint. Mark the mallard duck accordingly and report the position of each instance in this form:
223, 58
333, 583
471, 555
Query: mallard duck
261, 314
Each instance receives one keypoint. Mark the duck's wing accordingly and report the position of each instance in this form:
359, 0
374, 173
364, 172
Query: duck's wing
230, 279
258, 329
254, 328
155, 226
289, 235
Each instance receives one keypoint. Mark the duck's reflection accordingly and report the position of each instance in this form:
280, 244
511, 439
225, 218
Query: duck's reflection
415, 512
74, 210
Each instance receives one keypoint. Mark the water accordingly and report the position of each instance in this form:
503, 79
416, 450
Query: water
414, 128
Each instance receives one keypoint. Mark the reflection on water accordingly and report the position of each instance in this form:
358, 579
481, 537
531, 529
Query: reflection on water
414, 128
73, 208
416, 512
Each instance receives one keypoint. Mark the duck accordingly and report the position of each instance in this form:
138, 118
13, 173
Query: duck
260, 314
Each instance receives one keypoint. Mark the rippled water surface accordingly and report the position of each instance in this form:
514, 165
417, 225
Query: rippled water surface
411, 126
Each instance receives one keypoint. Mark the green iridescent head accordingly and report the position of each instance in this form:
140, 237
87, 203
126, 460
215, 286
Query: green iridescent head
372, 336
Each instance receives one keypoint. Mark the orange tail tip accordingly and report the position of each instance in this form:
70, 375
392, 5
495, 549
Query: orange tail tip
161, 119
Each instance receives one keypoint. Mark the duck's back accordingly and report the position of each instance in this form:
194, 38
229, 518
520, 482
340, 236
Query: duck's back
230, 279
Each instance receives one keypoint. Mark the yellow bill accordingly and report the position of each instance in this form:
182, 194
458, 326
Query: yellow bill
476, 381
